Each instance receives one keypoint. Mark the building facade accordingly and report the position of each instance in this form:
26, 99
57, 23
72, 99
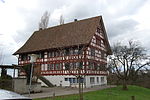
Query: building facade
63, 52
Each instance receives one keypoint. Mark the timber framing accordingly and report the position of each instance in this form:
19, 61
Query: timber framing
62, 49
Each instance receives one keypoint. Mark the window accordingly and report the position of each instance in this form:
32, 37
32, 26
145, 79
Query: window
67, 52
98, 30
81, 80
74, 80
67, 66
97, 79
80, 50
57, 67
95, 66
70, 80
92, 52
91, 65
74, 65
24, 57
66, 79
92, 80
98, 42
102, 79
71, 66
79, 65
76, 51
71, 52
52, 66
49, 54
41, 55
52, 55
48, 67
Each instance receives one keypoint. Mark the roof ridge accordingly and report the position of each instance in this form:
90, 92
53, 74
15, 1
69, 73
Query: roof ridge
68, 23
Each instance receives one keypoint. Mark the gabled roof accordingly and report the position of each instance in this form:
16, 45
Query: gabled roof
70, 34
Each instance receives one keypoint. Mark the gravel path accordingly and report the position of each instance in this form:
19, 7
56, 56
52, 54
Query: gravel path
59, 91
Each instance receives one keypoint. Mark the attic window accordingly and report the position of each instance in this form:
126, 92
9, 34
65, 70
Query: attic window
98, 30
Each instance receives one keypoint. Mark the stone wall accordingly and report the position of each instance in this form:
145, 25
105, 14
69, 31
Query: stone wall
20, 86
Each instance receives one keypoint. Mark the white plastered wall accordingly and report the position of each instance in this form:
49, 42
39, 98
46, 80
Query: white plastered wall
60, 81
88, 84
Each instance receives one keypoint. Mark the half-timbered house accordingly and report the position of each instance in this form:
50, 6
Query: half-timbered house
64, 50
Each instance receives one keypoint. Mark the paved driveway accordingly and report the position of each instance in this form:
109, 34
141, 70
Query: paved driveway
59, 91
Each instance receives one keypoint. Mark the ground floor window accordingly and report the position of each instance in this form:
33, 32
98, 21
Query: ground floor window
102, 79
92, 80
97, 79
73, 80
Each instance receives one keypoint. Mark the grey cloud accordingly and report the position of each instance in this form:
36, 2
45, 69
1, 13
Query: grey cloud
72, 9
78, 9
121, 27
125, 7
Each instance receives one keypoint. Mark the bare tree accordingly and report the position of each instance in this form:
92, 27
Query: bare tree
79, 75
61, 20
70, 69
44, 20
125, 58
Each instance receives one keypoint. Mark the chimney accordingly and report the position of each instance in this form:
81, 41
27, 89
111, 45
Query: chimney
75, 20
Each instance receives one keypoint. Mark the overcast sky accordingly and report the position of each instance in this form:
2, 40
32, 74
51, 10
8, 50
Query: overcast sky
124, 20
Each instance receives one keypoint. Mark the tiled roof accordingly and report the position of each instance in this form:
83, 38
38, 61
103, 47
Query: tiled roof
74, 33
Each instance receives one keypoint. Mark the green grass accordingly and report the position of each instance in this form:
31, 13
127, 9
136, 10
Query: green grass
116, 93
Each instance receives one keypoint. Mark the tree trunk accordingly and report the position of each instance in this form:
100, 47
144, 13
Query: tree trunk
80, 91
124, 85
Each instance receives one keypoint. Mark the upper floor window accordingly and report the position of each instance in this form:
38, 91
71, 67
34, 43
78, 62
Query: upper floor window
41, 55
66, 52
71, 51
57, 53
67, 66
80, 50
92, 52
76, 51
24, 57
98, 30
50, 66
79, 65
91, 65
98, 42
57, 66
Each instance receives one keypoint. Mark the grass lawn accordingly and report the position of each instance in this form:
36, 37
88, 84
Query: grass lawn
116, 93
